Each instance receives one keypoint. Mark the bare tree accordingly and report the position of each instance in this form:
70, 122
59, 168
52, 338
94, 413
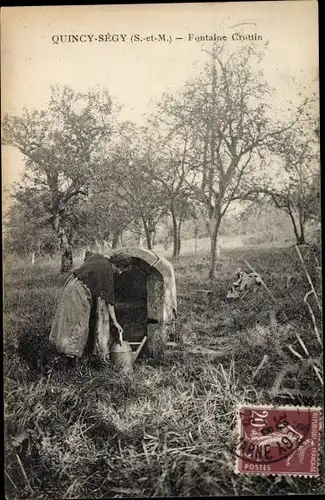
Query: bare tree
228, 112
126, 173
297, 190
60, 147
168, 160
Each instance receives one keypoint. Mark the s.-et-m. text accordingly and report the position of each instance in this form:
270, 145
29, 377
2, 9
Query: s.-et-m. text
151, 38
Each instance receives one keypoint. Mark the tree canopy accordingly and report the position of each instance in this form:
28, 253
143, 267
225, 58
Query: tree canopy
203, 148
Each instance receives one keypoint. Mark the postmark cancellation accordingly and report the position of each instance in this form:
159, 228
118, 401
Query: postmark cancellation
282, 440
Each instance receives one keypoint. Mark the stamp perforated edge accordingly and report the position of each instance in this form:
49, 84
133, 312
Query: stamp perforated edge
318, 409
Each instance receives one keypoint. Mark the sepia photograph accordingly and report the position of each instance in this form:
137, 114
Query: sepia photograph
162, 253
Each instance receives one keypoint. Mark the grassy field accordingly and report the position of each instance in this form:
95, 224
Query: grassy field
85, 432
226, 243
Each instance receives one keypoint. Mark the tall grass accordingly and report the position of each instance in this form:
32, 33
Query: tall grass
83, 431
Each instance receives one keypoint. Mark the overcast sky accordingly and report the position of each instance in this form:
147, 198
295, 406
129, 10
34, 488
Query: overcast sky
137, 72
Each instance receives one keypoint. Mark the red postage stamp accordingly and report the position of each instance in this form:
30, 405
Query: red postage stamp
278, 440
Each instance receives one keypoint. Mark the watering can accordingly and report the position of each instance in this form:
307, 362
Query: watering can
122, 355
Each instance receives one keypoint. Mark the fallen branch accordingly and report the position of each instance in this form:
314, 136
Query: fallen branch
319, 374
289, 346
8, 476
276, 388
309, 279
24, 473
302, 343
262, 282
260, 366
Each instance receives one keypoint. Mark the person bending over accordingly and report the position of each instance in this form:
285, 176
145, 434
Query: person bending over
91, 283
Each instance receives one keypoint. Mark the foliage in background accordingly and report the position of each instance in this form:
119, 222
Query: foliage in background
61, 147
204, 150
295, 189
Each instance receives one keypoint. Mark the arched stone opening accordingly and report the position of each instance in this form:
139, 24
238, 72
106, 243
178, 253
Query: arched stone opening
145, 300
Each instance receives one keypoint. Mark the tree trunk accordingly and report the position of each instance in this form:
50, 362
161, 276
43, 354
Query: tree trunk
214, 215
66, 259
175, 234
179, 226
115, 239
153, 239
179, 242
214, 229
302, 233
102, 246
300, 238
65, 247
148, 236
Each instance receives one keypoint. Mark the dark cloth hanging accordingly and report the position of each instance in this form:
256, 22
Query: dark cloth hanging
97, 274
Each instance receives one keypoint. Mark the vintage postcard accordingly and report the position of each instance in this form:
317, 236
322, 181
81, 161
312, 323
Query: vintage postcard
161, 225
